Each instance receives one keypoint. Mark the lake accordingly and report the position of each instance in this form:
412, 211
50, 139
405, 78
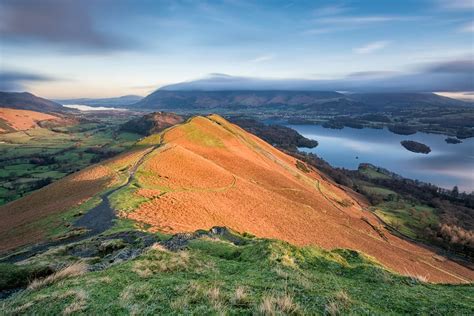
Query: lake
446, 165
87, 108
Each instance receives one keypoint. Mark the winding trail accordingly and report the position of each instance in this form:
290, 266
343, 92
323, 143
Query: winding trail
96, 221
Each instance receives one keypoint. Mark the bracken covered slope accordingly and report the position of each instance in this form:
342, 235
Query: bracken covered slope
209, 172
17, 120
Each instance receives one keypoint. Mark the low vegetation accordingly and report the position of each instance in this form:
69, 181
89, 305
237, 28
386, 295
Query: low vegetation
234, 274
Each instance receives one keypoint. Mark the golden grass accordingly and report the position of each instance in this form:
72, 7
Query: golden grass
24, 119
75, 269
162, 261
338, 303
279, 304
241, 297
78, 304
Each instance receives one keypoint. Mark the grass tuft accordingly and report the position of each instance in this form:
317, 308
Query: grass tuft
75, 269
279, 304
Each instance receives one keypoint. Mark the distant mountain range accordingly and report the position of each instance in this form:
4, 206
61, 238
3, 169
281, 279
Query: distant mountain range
405, 99
28, 101
217, 101
182, 101
122, 101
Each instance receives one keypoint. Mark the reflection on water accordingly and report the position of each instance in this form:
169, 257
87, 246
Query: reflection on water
447, 165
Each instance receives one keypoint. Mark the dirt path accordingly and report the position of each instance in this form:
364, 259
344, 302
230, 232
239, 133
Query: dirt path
95, 221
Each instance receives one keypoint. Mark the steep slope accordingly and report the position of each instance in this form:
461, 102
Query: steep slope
232, 100
17, 120
209, 172
28, 101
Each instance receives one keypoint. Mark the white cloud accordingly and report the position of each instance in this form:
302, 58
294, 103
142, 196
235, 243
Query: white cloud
317, 31
263, 58
365, 19
330, 10
469, 27
371, 47
456, 4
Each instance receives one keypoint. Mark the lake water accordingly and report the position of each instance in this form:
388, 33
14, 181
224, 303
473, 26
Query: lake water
87, 108
446, 165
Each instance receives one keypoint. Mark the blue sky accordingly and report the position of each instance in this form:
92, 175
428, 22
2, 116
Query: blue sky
66, 48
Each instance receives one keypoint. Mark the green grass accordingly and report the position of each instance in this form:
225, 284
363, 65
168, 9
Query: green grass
199, 136
410, 219
204, 280
378, 190
125, 199
373, 174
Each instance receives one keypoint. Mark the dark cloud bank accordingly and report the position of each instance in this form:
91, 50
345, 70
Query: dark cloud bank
14, 81
452, 76
67, 23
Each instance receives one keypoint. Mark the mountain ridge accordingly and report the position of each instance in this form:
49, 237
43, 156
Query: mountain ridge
271, 100
208, 172
29, 101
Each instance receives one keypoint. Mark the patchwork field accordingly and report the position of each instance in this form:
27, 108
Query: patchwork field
33, 158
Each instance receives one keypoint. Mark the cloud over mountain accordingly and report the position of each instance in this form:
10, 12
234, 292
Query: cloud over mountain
453, 76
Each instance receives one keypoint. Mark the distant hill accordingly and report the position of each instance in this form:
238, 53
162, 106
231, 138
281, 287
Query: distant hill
405, 99
117, 102
232, 100
12, 120
152, 123
304, 101
28, 101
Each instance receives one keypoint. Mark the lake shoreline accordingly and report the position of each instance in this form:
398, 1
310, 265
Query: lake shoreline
446, 166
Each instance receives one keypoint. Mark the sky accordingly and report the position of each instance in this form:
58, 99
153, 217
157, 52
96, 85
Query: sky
104, 48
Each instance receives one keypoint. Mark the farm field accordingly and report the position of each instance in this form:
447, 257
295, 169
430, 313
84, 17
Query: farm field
33, 158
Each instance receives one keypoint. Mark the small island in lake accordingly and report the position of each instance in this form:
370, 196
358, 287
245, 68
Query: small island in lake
415, 147
452, 140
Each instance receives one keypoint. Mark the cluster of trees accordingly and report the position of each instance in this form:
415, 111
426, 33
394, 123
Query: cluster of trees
454, 238
402, 129
100, 153
277, 135
43, 160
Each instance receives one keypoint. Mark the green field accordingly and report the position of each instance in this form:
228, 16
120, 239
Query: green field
408, 218
31, 159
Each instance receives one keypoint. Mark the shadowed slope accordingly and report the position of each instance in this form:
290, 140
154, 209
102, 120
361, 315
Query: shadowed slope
209, 172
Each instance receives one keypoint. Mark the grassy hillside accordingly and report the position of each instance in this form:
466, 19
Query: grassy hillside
226, 273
